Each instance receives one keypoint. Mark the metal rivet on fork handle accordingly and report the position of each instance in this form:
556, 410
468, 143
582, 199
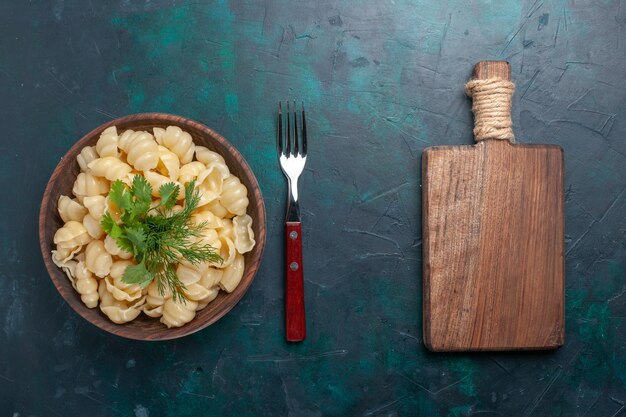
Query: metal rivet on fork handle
293, 235
294, 266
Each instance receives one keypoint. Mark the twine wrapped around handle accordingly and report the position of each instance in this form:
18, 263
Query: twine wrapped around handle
491, 106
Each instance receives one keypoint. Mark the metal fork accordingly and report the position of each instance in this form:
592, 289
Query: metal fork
292, 158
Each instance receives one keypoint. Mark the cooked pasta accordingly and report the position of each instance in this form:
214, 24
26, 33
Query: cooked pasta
169, 164
70, 209
97, 259
177, 141
142, 151
210, 182
94, 262
96, 205
207, 156
244, 235
86, 285
110, 167
87, 185
86, 155
176, 314
234, 196
107, 144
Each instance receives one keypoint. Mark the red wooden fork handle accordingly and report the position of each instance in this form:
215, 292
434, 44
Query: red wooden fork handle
294, 292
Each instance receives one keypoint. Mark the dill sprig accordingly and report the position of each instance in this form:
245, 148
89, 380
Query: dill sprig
158, 237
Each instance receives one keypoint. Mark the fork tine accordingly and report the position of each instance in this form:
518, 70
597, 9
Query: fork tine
280, 130
303, 132
288, 150
295, 129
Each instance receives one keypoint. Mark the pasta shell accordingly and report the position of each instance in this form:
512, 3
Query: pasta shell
244, 235
86, 155
179, 142
234, 196
110, 167
233, 274
107, 143
70, 209
142, 151
71, 235
177, 314
207, 156
97, 259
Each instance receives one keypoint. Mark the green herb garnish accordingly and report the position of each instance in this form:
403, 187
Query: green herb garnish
157, 236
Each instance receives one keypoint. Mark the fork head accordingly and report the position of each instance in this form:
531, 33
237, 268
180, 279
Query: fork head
292, 147
291, 142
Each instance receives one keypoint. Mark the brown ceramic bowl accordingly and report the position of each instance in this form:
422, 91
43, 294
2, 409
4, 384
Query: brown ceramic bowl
147, 328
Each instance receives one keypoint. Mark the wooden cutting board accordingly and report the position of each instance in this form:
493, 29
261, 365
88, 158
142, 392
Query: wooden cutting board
493, 243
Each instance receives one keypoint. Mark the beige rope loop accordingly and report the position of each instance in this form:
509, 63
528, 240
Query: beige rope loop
492, 108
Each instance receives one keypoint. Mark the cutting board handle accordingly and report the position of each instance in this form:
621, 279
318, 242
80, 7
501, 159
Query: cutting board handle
485, 70
492, 90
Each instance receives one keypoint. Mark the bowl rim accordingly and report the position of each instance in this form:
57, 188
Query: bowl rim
167, 334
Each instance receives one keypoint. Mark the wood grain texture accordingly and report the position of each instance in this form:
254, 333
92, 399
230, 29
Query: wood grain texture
295, 319
493, 245
146, 328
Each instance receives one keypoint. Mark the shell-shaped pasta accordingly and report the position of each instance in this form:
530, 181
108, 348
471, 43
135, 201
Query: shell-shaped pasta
169, 164
216, 208
233, 274
71, 235
158, 132
210, 182
119, 289
234, 196
107, 143
69, 268
118, 312
207, 156
176, 314
227, 251
97, 259
197, 292
227, 229
205, 216
155, 300
211, 277
96, 205
61, 256
210, 237
244, 235
154, 296
87, 185
190, 171
70, 209
114, 250
86, 285
86, 155
142, 151
188, 274
93, 227
110, 168
212, 294
177, 141
157, 180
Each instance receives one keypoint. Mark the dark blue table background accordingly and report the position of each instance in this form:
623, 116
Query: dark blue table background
382, 81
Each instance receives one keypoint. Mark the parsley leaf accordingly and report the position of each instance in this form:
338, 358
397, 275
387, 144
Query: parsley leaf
169, 192
137, 274
141, 189
137, 237
120, 196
